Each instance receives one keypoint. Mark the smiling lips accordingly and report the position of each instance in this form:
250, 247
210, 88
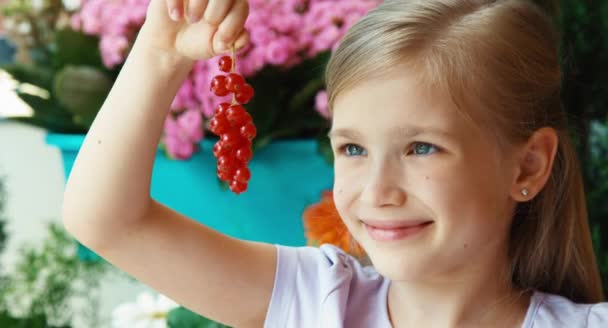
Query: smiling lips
385, 230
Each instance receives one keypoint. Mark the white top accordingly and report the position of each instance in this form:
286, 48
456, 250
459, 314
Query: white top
326, 287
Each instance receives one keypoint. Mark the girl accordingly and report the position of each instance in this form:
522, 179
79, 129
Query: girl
453, 170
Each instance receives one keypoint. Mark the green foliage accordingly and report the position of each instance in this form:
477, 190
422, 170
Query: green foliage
596, 170
2, 218
81, 90
584, 52
72, 78
181, 317
584, 26
39, 321
46, 279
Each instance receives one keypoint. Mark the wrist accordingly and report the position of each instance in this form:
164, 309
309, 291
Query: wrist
146, 46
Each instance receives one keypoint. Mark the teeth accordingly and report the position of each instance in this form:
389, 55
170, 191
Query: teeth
386, 233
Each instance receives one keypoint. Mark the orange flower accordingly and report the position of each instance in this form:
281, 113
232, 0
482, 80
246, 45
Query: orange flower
323, 225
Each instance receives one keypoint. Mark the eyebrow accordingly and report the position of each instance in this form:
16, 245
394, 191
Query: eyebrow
400, 132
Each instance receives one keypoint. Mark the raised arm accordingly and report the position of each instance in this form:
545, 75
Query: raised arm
107, 204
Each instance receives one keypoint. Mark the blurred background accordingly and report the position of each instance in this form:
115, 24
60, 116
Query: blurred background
58, 60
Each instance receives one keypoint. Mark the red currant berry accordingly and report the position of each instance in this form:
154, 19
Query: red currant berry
237, 115
246, 143
234, 82
248, 130
244, 95
224, 176
219, 150
238, 187
242, 174
227, 164
225, 64
218, 86
221, 108
219, 125
231, 140
244, 154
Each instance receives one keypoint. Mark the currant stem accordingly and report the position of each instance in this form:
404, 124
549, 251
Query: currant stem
233, 56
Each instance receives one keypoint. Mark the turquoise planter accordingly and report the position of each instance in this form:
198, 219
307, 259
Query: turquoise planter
287, 176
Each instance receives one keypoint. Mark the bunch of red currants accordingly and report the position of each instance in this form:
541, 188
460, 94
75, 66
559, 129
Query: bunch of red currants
234, 126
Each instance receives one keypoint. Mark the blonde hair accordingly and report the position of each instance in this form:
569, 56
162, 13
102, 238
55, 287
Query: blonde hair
499, 60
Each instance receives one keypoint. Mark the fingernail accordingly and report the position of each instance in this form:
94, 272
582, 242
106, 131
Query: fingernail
174, 14
193, 18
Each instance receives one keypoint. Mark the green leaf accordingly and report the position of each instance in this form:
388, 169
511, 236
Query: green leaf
312, 69
82, 90
43, 105
35, 321
76, 48
268, 101
50, 123
183, 318
302, 99
38, 76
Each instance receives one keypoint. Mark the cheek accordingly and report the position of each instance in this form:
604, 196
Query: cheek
467, 199
347, 177
340, 198
436, 184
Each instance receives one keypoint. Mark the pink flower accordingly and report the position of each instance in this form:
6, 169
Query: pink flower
76, 22
177, 148
278, 51
191, 123
325, 40
321, 104
283, 33
182, 135
111, 20
113, 49
185, 97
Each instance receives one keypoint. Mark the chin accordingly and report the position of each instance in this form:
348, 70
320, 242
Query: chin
402, 266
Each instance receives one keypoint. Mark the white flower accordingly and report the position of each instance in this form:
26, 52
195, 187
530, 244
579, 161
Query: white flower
71, 4
24, 27
147, 312
37, 5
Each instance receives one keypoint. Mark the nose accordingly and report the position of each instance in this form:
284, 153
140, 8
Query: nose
383, 185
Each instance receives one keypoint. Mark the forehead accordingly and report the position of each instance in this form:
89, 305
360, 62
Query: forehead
396, 100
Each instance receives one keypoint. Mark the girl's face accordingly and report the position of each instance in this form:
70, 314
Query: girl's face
405, 156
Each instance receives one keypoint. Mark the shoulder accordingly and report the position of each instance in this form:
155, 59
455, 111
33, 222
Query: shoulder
554, 310
319, 283
327, 261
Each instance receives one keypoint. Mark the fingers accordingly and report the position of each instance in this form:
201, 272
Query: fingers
240, 42
195, 10
217, 10
231, 27
213, 11
175, 9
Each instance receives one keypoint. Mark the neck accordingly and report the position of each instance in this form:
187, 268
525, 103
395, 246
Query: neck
473, 297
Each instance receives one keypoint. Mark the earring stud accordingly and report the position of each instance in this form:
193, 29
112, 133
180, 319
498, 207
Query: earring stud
524, 192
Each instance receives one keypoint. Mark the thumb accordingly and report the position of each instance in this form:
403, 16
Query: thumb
241, 41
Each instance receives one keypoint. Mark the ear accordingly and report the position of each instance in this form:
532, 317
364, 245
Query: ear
534, 164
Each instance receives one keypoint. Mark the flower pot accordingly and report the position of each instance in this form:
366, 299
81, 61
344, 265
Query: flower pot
287, 176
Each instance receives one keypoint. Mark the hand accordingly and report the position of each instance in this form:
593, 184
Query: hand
195, 29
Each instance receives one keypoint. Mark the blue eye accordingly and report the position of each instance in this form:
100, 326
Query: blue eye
351, 150
423, 148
